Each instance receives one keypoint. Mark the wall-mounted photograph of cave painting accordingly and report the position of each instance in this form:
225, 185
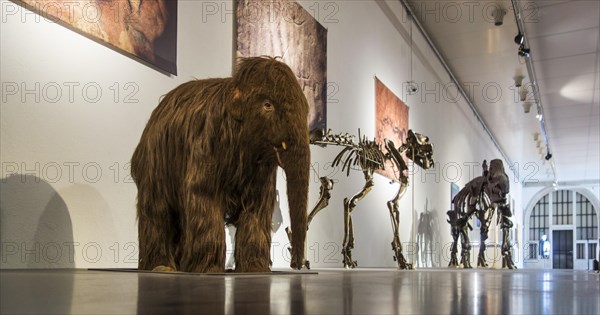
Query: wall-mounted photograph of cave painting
283, 28
143, 30
391, 115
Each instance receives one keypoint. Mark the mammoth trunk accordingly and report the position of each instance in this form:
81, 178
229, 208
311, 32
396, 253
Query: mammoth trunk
296, 166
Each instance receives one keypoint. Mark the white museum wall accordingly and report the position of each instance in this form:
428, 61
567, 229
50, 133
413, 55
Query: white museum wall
67, 200
71, 194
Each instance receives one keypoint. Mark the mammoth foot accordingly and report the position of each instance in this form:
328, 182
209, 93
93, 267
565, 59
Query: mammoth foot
508, 263
164, 269
305, 265
481, 261
466, 261
350, 264
453, 261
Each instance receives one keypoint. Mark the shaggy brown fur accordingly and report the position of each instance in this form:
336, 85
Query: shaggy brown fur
209, 155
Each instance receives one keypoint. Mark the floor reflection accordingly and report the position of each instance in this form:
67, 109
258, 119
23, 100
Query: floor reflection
365, 291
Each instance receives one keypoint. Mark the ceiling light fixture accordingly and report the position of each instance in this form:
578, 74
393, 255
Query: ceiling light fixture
523, 94
519, 39
498, 15
524, 52
518, 80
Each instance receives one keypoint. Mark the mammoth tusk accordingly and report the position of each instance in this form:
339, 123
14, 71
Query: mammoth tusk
278, 157
284, 146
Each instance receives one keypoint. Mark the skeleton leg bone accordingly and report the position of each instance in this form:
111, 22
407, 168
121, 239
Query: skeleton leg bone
395, 218
506, 225
481, 261
466, 247
349, 205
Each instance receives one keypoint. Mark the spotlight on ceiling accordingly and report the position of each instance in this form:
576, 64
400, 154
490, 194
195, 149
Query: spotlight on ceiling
498, 15
523, 94
519, 39
524, 52
527, 107
519, 80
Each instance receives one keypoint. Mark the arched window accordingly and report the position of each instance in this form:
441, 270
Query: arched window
553, 216
586, 225
562, 207
538, 224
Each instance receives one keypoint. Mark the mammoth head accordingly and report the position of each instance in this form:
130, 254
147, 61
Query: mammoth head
273, 112
419, 149
269, 102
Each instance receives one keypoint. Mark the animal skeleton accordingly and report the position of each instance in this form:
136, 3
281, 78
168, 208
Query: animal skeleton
482, 196
367, 155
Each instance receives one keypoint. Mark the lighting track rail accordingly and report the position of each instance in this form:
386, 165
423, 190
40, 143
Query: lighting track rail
533, 80
457, 83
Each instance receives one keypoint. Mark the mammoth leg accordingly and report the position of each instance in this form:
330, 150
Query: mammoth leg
158, 231
253, 237
253, 241
203, 240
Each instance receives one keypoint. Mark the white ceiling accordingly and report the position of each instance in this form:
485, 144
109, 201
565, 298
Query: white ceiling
564, 38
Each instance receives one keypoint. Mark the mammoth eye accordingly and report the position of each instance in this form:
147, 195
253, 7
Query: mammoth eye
268, 106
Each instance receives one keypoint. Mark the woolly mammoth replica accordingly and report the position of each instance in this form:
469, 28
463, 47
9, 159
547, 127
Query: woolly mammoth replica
208, 156
368, 156
481, 197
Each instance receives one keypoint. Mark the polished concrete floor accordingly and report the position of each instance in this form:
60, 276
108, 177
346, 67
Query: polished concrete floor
360, 291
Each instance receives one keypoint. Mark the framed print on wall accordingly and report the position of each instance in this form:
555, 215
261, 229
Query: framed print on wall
391, 115
284, 29
145, 30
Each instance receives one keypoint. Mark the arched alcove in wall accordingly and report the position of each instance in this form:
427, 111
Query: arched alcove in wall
561, 229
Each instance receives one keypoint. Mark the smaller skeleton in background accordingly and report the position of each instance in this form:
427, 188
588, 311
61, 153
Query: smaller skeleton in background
481, 197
